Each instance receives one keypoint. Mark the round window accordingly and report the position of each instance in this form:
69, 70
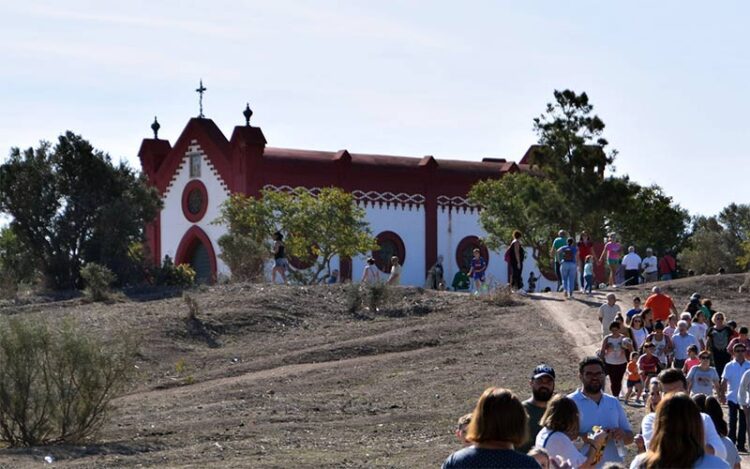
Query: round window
195, 201
465, 252
389, 244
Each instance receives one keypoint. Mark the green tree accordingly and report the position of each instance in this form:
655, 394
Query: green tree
71, 205
316, 228
707, 251
572, 153
245, 246
649, 218
566, 188
721, 240
519, 201
17, 264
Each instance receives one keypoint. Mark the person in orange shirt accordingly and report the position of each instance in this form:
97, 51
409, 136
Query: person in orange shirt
634, 379
660, 304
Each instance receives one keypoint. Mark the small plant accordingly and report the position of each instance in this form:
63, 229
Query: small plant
193, 307
501, 296
353, 297
98, 280
170, 275
181, 367
56, 383
376, 295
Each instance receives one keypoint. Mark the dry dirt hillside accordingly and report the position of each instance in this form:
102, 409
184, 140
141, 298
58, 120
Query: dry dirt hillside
279, 376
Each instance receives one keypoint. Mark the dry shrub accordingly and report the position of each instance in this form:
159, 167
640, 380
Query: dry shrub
500, 296
373, 297
56, 383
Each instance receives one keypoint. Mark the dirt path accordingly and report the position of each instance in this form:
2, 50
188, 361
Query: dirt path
576, 317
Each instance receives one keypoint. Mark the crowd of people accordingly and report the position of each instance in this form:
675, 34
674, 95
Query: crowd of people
679, 366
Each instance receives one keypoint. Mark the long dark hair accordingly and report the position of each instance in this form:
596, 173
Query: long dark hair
676, 414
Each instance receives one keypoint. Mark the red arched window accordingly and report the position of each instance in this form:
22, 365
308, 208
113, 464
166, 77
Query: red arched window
466, 248
194, 201
390, 244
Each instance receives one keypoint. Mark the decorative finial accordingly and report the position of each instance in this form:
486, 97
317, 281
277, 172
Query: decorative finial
155, 127
248, 113
200, 90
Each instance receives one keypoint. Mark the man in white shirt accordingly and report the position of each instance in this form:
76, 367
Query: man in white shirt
632, 264
672, 380
595, 408
732, 378
650, 267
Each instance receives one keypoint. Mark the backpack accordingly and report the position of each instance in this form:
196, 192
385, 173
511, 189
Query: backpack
568, 255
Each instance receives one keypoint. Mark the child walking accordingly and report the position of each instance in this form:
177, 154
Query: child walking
588, 273
634, 379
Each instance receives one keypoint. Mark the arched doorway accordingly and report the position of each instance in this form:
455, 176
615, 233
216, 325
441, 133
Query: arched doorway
196, 249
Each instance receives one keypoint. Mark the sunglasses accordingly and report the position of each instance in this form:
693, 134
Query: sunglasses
705, 358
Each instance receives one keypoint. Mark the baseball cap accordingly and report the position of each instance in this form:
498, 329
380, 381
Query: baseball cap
542, 370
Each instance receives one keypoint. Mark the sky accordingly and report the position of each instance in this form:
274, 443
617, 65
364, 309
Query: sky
459, 80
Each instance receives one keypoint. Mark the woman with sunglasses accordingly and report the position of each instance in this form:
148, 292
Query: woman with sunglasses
638, 332
703, 379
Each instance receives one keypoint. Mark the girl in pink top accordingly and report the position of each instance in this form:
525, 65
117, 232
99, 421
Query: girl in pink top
613, 251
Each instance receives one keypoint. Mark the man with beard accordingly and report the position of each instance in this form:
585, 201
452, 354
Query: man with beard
596, 408
542, 388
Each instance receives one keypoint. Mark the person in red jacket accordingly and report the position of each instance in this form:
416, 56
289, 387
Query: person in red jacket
667, 266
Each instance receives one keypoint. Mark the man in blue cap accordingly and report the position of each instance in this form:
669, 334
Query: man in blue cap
542, 389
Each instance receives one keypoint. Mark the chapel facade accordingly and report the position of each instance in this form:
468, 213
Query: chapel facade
416, 207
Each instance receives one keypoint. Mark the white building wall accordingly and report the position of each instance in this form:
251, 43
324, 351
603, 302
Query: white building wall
409, 224
174, 225
456, 224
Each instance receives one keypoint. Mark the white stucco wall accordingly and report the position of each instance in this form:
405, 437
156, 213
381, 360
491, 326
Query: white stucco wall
409, 224
174, 225
454, 225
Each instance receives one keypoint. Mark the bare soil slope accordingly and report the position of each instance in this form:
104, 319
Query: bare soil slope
277, 376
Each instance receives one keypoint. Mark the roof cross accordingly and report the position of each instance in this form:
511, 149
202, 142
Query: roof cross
200, 90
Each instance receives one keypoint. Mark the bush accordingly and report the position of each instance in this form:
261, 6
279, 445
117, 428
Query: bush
172, 275
98, 280
245, 257
372, 296
501, 296
56, 384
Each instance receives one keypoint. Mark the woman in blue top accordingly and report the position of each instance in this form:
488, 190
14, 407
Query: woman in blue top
498, 425
568, 267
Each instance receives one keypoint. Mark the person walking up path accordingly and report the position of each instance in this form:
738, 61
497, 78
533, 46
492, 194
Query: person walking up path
567, 255
559, 242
